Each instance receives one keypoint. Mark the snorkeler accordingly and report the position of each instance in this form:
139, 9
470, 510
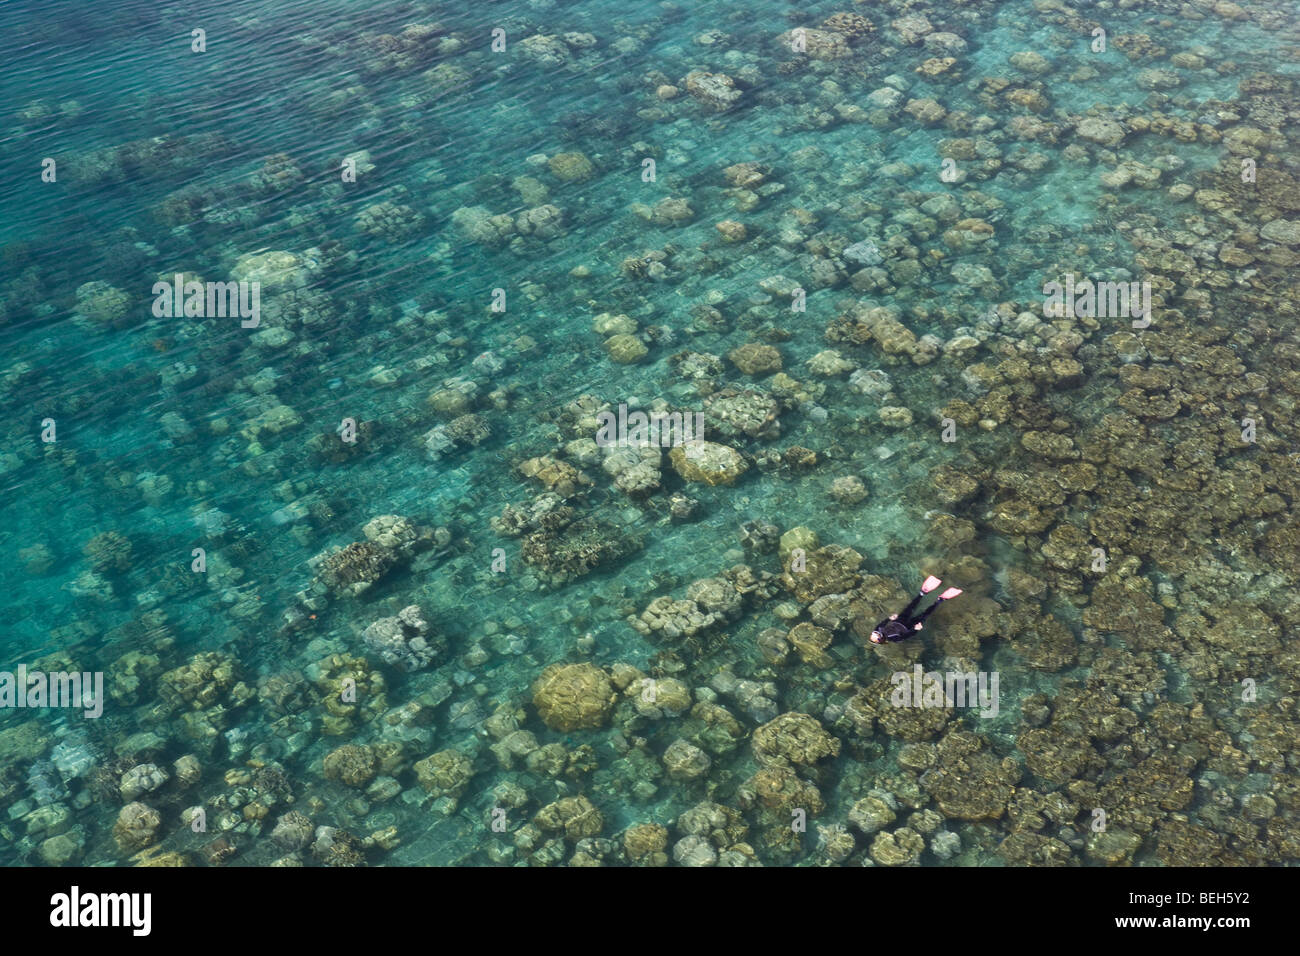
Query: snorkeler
899, 627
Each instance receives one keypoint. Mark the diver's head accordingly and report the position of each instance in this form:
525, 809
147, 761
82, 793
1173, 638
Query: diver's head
877, 637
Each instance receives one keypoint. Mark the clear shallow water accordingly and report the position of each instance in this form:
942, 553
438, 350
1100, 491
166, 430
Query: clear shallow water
163, 167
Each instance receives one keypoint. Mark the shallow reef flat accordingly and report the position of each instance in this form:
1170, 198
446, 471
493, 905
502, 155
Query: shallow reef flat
488, 435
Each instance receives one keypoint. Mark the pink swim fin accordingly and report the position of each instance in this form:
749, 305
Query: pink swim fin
949, 594
930, 584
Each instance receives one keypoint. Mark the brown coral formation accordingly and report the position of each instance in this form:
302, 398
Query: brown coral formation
573, 696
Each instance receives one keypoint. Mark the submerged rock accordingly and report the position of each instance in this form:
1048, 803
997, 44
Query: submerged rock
715, 91
405, 641
137, 827
573, 696
708, 462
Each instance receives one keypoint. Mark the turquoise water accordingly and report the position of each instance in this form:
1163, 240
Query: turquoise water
176, 434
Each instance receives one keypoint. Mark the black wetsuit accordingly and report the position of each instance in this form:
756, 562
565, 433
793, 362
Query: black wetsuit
905, 625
